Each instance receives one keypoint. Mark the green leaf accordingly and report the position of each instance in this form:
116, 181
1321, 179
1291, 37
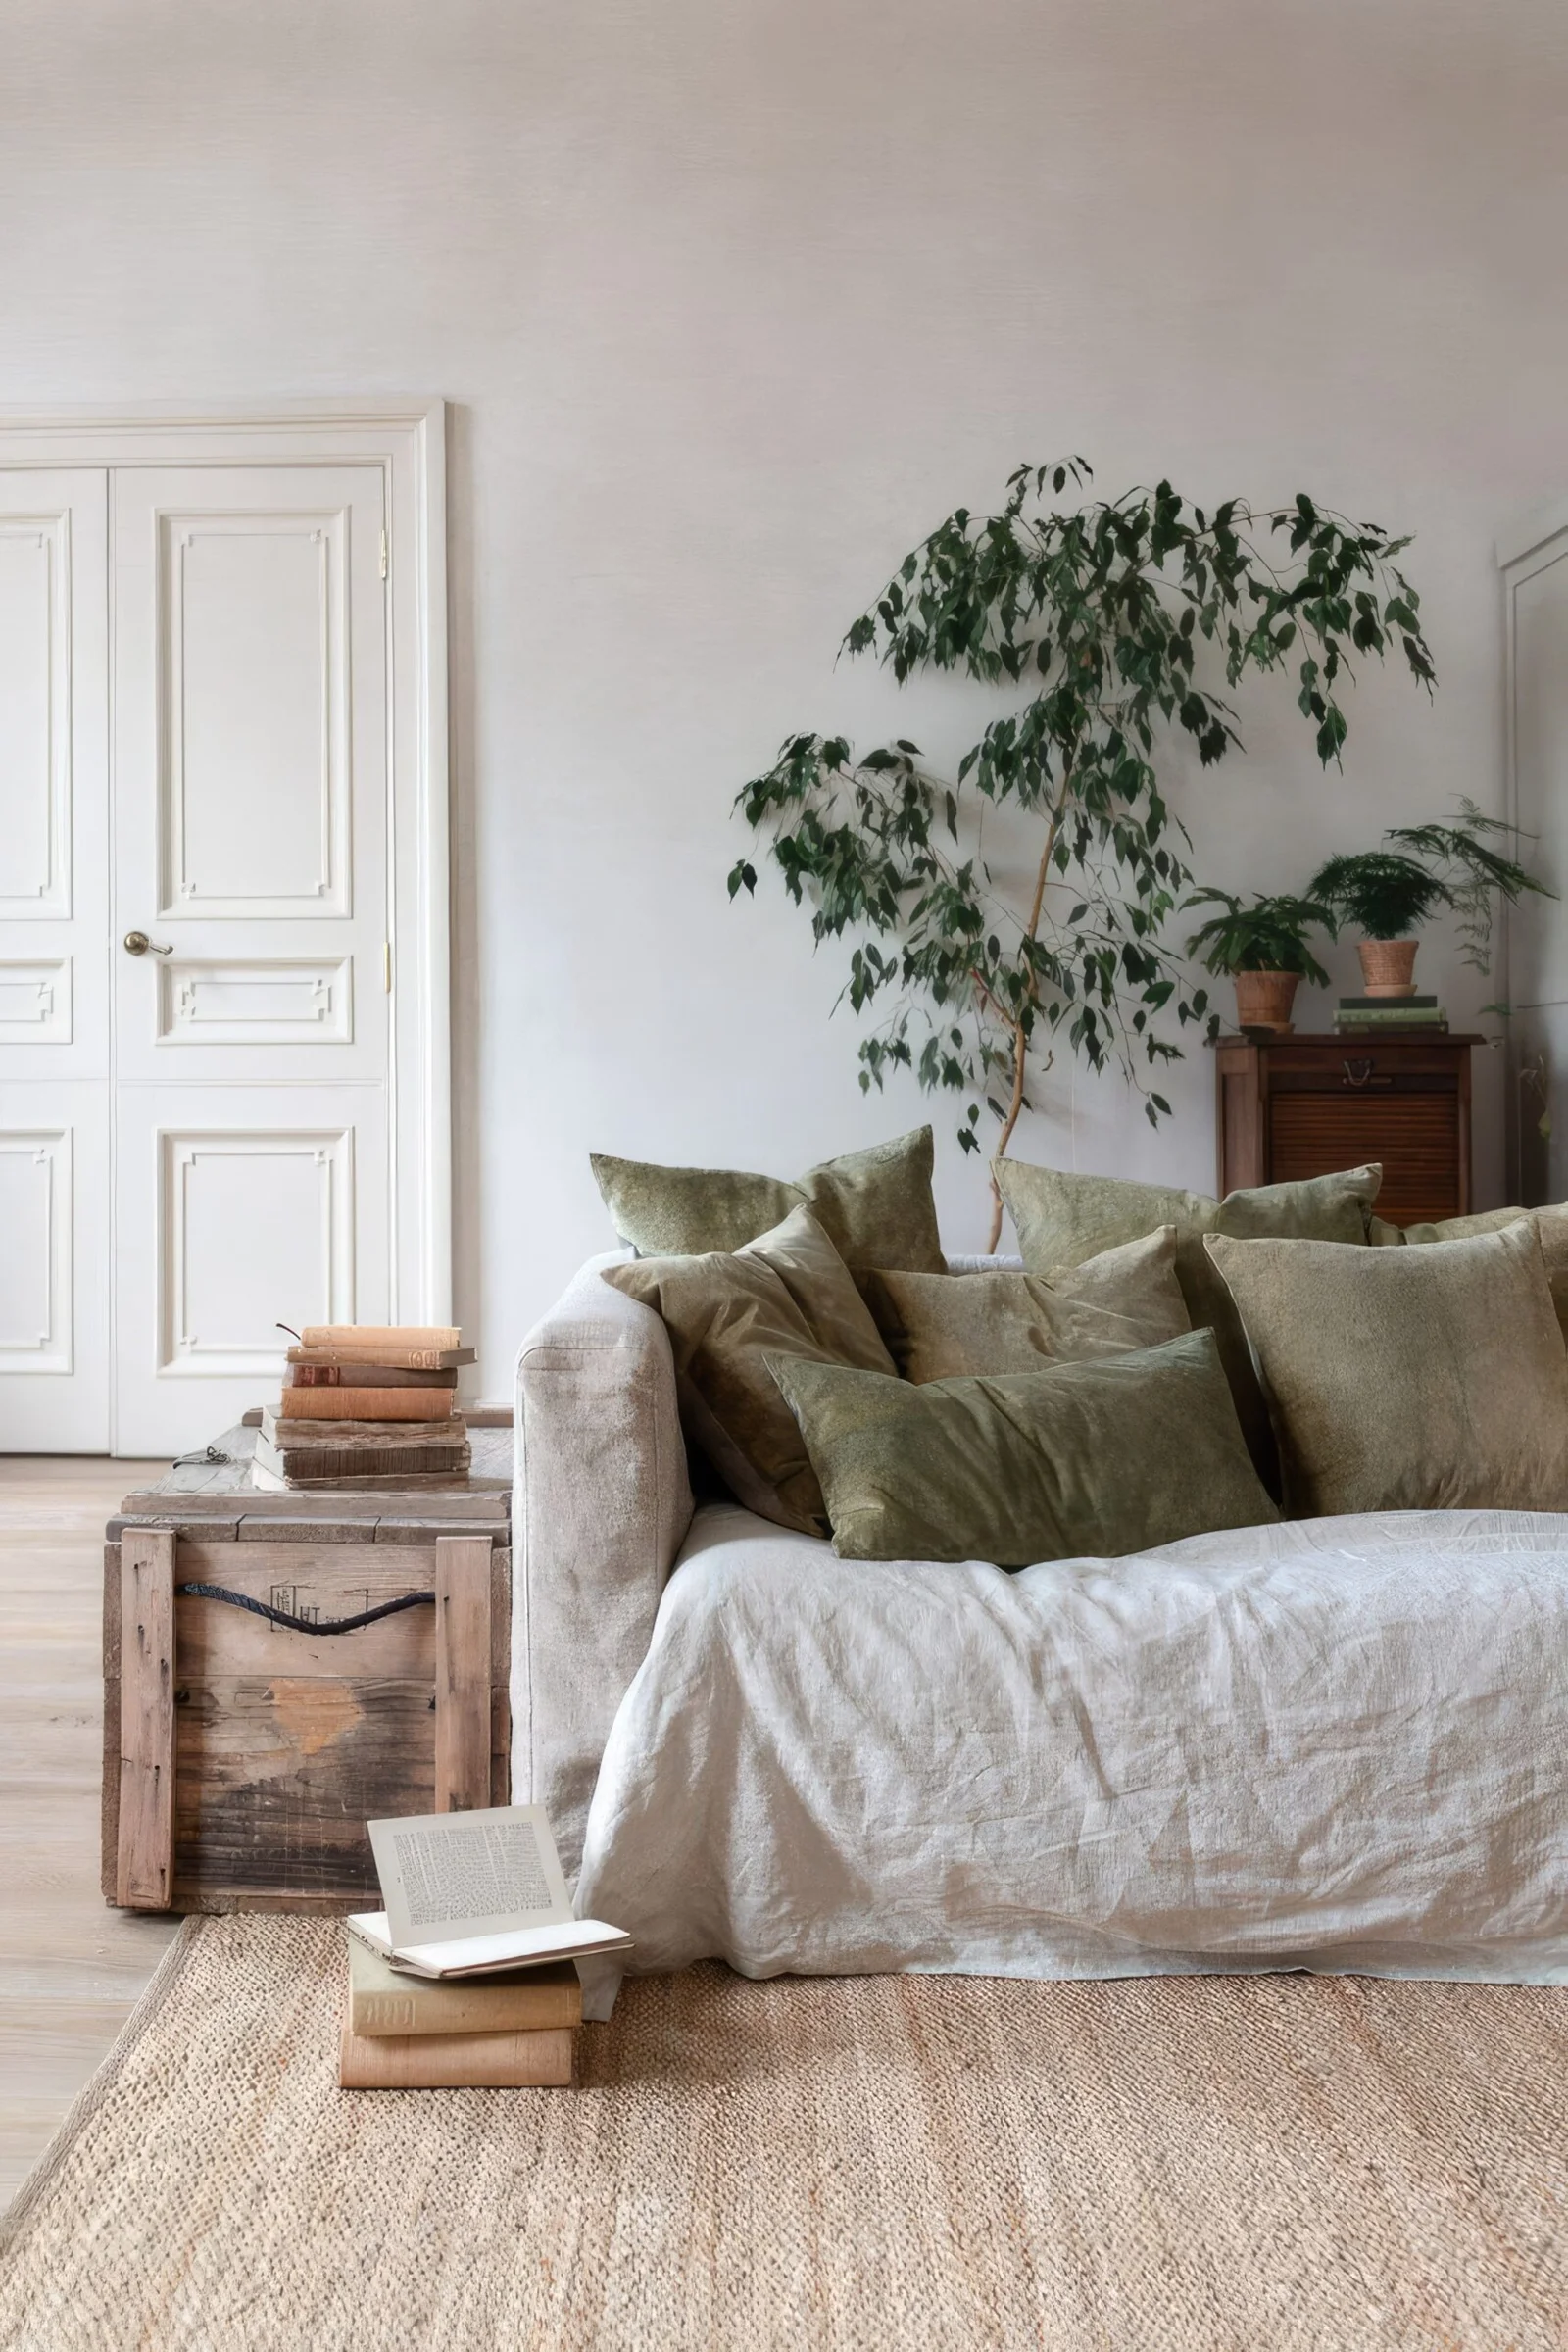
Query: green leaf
1127, 618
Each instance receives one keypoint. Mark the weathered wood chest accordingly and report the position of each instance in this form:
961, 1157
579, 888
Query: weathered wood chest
244, 1748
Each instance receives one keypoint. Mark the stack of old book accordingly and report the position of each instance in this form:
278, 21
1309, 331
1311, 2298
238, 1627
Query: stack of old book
367, 1406
1367, 1016
401, 2032
468, 1975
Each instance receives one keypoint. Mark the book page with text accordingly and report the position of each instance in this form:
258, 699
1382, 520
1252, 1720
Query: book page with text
446, 1876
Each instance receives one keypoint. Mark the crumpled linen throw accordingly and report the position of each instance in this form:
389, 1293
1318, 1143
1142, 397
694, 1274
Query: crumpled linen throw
1339, 1744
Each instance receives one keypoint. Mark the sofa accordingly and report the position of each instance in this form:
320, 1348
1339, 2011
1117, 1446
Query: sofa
1334, 1744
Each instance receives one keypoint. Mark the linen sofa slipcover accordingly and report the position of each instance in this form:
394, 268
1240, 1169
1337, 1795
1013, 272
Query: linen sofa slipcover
1336, 1744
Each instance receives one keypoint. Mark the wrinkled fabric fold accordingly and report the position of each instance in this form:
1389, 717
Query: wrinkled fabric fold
1336, 1744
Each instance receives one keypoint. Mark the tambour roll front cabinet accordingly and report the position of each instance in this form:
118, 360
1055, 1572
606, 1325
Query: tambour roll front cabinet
1306, 1105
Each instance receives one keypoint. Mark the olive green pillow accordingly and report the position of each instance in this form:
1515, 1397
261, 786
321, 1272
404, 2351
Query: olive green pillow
1077, 1460
1551, 1226
1408, 1380
875, 1206
938, 1327
788, 1294
1061, 1219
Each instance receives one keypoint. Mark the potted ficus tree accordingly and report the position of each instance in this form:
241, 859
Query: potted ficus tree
1112, 629
1260, 944
1388, 894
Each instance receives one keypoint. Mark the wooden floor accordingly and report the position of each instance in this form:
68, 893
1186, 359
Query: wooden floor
70, 1968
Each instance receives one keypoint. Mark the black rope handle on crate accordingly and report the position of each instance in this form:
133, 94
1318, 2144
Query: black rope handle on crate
308, 1625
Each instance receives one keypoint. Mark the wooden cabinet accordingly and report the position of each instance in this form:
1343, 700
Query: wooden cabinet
1303, 1106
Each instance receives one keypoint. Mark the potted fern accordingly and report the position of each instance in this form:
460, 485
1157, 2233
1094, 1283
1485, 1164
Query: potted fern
1388, 895
1261, 946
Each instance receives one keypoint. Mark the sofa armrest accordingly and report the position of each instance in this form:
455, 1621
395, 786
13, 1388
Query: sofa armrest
601, 1506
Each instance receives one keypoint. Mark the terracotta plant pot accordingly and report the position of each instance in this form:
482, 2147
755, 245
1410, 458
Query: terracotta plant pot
1387, 965
1263, 1000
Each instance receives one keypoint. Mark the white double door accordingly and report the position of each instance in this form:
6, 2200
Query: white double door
194, 754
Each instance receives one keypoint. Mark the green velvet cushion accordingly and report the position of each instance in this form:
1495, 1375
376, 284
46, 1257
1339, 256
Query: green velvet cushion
938, 1328
1061, 1219
1092, 1459
1406, 1380
875, 1206
1550, 1229
787, 1294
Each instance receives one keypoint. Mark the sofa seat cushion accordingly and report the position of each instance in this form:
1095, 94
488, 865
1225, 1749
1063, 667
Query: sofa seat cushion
1333, 1744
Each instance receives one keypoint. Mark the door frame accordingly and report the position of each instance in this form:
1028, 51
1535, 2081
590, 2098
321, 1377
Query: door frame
407, 439
1533, 542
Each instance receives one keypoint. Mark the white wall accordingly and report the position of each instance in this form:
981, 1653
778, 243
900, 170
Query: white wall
735, 300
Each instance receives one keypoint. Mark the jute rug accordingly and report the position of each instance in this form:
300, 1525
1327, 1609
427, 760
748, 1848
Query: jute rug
885, 2164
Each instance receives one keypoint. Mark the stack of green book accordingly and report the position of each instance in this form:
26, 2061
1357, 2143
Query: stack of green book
1361, 1016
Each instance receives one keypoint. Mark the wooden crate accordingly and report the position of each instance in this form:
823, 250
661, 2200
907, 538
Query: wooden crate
242, 1758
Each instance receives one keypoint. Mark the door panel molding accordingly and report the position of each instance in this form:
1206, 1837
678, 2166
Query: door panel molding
35, 716
260, 1001
37, 1203
248, 1217
298, 868
35, 1001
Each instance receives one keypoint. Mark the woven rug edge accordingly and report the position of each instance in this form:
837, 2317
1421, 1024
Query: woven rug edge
93, 2091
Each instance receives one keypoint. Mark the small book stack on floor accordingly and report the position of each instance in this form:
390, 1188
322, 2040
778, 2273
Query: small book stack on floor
367, 1406
1365, 1017
404, 2033
465, 1980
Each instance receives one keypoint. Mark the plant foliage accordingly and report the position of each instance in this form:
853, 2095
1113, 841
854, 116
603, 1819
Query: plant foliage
1112, 622
1387, 894
1266, 935
1381, 892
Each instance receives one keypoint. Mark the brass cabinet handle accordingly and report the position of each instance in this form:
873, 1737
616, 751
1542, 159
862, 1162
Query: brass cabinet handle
1357, 1072
137, 943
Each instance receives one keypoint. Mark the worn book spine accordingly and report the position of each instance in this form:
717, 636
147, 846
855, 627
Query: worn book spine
1348, 1022
367, 1376
380, 1335
478, 2006
358, 1405
542, 2060
340, 1429
406, 1359
1383, 1004
354, 1466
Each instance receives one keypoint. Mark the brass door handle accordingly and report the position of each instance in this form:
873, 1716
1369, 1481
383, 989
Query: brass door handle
137, 943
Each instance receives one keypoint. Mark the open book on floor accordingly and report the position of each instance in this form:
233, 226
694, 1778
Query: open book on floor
469, 1893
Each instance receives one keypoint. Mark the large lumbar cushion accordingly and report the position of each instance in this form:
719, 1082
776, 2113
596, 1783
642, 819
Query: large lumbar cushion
1093, 1459
876, 1206
786, 1294
1407, 1380
1062, 1219
938, 1328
